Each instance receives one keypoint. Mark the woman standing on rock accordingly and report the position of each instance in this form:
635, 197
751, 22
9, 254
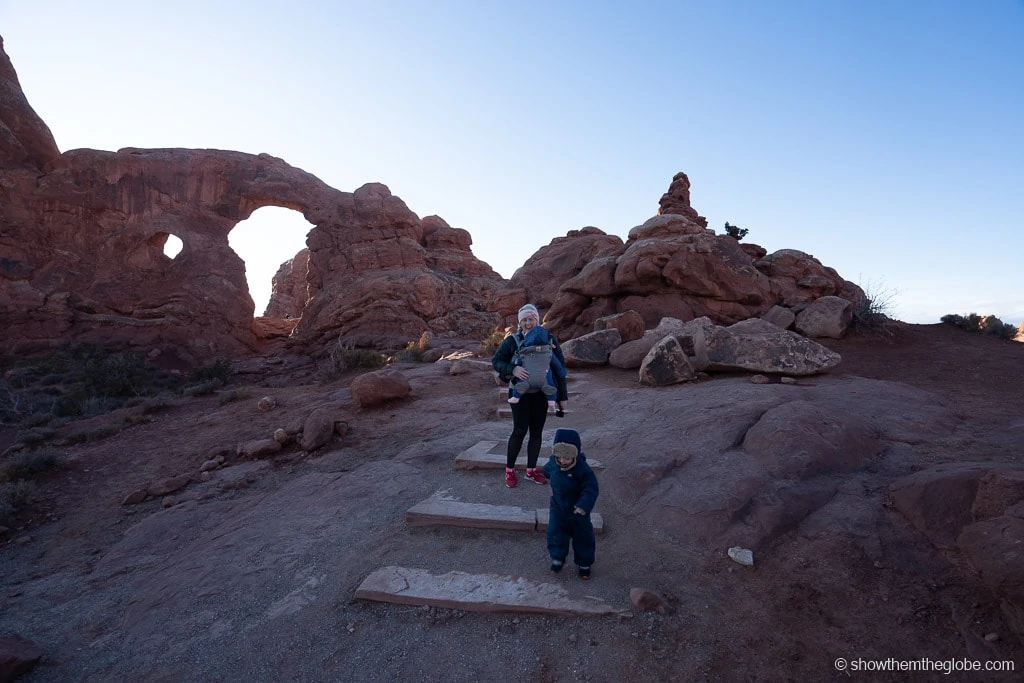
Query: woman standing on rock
531, 412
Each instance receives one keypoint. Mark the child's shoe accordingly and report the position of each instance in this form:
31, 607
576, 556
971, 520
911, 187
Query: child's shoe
585, 573
510, 478
552, 406
556, 566
514, 399
536, 476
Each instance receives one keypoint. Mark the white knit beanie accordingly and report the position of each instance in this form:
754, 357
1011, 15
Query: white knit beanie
527, 310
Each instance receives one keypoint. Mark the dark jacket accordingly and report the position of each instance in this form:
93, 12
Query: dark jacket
503, 364
573, 488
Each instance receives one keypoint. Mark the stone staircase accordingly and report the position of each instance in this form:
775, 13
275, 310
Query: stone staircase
482, 592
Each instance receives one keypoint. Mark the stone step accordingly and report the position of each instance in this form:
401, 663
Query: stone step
438, 511
480, 457
445, 512
503, 393
478, 593
506, 411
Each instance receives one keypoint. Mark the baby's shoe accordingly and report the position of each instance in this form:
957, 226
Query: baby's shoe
556, 566
514, 399
585, 573
552, 405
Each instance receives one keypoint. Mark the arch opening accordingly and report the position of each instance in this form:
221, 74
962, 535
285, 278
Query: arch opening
265, 241
172, 244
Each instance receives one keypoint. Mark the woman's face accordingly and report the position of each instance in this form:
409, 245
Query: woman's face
529, 322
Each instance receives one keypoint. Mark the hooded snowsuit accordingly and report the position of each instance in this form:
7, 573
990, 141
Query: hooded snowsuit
572, 488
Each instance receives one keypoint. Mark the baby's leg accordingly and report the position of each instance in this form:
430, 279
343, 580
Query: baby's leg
514, 397
549, 384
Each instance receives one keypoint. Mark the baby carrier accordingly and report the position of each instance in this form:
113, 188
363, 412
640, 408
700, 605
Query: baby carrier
537, 360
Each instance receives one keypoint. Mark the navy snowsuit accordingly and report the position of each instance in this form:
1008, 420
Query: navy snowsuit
576, 487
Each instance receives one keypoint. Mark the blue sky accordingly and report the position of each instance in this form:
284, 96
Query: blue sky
884, 138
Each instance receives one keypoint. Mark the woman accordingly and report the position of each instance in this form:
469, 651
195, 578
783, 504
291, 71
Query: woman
531, 412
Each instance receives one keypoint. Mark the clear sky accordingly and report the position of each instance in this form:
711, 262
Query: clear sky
886, 138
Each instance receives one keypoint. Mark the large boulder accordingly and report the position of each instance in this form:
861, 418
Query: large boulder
380, 386
629, 324
666, 363
828, 316
758, 346
592, 349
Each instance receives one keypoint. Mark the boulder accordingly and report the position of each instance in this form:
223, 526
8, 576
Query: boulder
666, 363
258, 448
631, 355
780, 316
592, 349
317, 429
828, 316
758, 346
630, 325
380, 386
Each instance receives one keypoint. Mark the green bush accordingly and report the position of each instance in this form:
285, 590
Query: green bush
735, 231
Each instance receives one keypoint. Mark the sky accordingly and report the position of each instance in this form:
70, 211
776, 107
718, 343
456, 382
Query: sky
884, 138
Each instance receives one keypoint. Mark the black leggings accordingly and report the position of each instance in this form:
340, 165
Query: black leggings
529, 415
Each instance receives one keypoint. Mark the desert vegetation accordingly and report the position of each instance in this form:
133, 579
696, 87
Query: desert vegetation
41, 395
981, 324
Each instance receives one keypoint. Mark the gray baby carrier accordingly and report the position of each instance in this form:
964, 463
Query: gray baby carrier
537, 361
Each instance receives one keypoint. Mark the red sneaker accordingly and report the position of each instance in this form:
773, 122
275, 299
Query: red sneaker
510, 478
536, 476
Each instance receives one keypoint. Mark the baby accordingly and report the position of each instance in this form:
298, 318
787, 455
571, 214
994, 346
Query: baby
574, 492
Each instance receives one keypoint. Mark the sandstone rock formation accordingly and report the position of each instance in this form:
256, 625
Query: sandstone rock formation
289, 294
673, 265
82, 236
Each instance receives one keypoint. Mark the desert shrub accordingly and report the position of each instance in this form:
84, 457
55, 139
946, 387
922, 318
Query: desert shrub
207, 387
79, 380
29, 463
40, 419
413, 351
87, 434
344, 357
872, 314
18, 403
490, 343
13, 496
34, 437
233, 395
735, 231
219, 370
982, 324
